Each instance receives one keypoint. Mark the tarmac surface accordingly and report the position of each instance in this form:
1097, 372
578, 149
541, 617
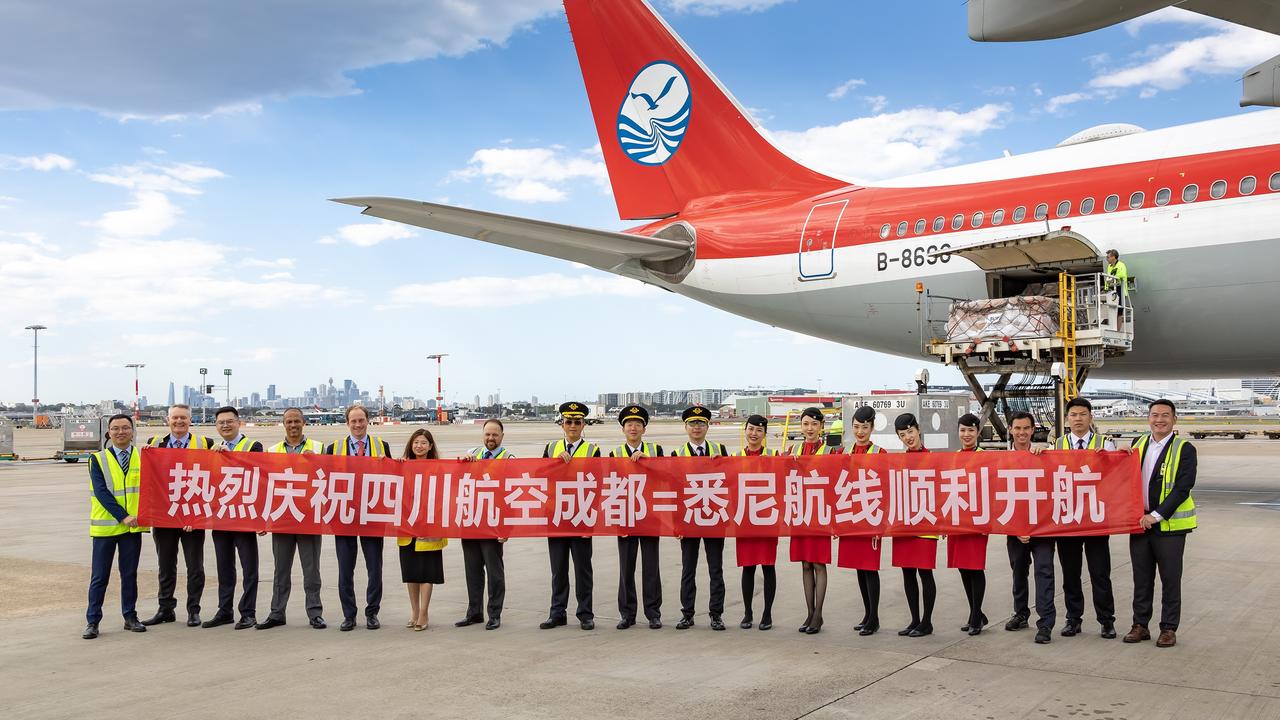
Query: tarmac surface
1226, 663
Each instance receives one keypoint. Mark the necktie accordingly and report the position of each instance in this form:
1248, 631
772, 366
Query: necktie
1079, 443
228, 444
702, 451
360, 447
488, 454
123, 457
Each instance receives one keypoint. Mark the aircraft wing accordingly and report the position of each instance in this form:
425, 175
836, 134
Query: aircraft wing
614, 252
1260, 14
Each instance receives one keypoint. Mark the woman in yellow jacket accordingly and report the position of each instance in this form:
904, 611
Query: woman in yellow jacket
421, 559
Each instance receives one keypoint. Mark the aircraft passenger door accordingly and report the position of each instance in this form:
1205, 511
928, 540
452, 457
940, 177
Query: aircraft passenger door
817, 253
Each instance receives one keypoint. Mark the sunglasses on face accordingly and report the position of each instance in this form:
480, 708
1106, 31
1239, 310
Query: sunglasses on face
573, 422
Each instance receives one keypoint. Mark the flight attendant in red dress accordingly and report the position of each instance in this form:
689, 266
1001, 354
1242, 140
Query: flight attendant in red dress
917, 556
862, 553
811, 551
761, 551
968, 553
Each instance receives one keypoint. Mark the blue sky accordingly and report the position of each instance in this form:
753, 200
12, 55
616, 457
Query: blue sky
163, 186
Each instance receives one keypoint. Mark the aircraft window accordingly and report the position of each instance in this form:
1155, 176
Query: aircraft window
1162, 196
939, 223
1019, 213
997, 217
1042, 211
1190, 193
1248, 184
1111, 203
1086, 206
902, 228
1274, 182
977, 219
919, 228
1064, 208
1218, 189
1136, 200
957, 221
884, 231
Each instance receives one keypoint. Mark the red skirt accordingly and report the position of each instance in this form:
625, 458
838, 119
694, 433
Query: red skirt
967, 552
859, 553
811, 548
915, 552
756, 551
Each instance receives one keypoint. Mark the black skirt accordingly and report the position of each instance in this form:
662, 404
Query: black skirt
421, 567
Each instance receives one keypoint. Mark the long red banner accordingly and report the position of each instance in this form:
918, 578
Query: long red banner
999, 493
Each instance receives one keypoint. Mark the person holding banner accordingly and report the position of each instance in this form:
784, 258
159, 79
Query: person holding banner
483, 556
862, 553
359, 442
115, 474
284, 545
167, 540
696, 423
762, 551
812, 552
634, 419
1026, 552
968, 553
573, 419
421, 559
228, 544
917, 556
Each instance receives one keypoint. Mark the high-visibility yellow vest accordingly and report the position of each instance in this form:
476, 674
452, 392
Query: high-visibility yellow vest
713, 449
585, 449
479, 452
1096, 441
1184, 517
1120, 272
126, 487
374, 443
194, 442
314, 446
420, 545
823, 449
242, 446
765, 452
871, 450
648, 448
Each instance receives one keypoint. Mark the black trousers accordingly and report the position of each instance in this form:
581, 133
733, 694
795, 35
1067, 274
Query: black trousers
1153, 552
714, 549
1072, 552
1035, 555
481, 557
348, 547
167, 541
1020, 564
561, 549
129, 547
227, 544
650, 577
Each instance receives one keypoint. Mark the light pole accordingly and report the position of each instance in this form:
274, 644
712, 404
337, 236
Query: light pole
227, 372
137, 395
35, 370
204, 372
441, 416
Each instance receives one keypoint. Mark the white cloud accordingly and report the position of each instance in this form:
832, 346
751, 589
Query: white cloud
180, 178
489, 292
891, 144
152, 213
1000, 90
877, 102
7, 201
1057, 102
43, 163
715, 7
843, 88
369, 234
534, 174
171, 339
260, 263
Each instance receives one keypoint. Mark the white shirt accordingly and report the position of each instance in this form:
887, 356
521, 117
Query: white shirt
1087, 438
699, 449
1149, 466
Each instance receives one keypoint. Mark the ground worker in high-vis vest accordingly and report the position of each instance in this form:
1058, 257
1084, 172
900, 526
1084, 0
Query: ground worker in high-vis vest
634, 419
1168, 475
573, 419
115, 474
482, 557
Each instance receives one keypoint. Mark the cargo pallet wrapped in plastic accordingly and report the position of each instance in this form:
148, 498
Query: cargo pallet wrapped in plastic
1012, 318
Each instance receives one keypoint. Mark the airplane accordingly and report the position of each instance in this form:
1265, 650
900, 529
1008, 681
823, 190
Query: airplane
735, 223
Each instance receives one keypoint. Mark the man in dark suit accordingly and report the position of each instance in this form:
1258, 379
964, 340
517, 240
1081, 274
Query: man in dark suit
573, 419
634, 419
1032, 555
227, 544
1169, 471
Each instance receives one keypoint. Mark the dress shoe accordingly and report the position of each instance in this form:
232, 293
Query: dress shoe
348, 624
907, 630
493, 624
162, 616
553, 622
217, 620
815, 628
193, 620
655, 624
246, 622
587, 624
717, 623
685, 623
464, 622
746, 622
624, 623
1108, 631
269, 623
975, 630
869, 629
1017, 622
1071, 629
1168, 638
90, 631
318, 623
766, 623
372, 623
1137, 633
132, 625
860, 625
921, 630
1043, 636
